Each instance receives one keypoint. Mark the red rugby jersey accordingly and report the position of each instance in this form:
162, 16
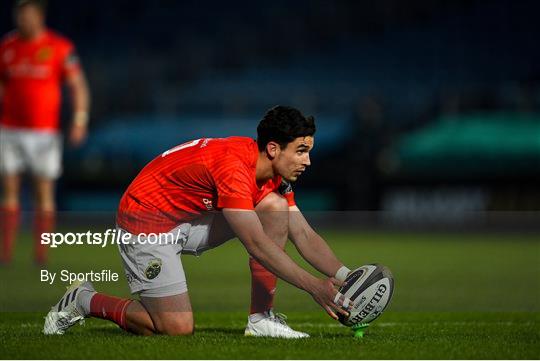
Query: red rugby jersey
32, 72
188, 180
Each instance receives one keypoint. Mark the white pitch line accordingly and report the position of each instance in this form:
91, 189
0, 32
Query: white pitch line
433, 323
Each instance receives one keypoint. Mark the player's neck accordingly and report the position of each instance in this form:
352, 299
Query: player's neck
33, 35
263, 170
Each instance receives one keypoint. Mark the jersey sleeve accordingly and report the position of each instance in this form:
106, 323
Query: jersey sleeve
69, 61
234, 186
286, 190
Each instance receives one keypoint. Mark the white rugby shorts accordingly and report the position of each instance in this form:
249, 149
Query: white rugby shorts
27, 150
152, 262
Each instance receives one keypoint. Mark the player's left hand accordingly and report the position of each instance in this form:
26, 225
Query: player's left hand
77, 134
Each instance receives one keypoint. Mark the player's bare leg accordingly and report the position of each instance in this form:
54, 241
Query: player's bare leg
9, 215
45, 215
273, 212
274, 216
138, 320
44, 194
170, 315
173, 315
11, 185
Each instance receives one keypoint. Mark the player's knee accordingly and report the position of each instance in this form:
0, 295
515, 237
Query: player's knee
177, 325
9, 202
178, 330
44, 198
273, 203
10, 194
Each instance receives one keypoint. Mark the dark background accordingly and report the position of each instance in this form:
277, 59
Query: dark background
425, 109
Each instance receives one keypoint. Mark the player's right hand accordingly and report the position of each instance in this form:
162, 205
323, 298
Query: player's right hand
77, 134
324, 292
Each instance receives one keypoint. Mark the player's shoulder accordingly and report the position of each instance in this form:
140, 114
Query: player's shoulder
233, 144
234, 150
240, 146
237, 141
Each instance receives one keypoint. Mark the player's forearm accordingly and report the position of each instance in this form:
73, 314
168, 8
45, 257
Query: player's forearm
80, 96
319, 255
246, 225
311, 246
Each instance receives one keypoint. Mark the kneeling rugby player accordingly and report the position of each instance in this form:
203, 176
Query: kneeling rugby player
208, 191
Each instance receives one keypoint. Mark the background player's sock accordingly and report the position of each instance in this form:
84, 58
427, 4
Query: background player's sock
263, 287
9, 224
43, 223
109, 308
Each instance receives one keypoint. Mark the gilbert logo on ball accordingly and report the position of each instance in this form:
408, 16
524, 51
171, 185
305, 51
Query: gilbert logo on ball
370, 289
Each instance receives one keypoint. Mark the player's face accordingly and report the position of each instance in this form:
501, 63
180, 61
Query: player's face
29, 20
293, 160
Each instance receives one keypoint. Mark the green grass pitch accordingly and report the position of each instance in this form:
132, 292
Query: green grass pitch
457, 296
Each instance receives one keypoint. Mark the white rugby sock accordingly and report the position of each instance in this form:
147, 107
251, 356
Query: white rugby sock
256, 317
84, 299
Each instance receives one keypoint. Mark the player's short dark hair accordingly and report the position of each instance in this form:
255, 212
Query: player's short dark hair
40, 4
282, 125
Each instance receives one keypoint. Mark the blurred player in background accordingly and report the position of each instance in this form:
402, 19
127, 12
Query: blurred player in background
204, 193
34, 63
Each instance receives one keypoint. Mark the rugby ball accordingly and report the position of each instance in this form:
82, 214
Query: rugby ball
369, 289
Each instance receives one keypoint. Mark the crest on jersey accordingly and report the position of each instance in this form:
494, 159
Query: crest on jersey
44, 54
153, 268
